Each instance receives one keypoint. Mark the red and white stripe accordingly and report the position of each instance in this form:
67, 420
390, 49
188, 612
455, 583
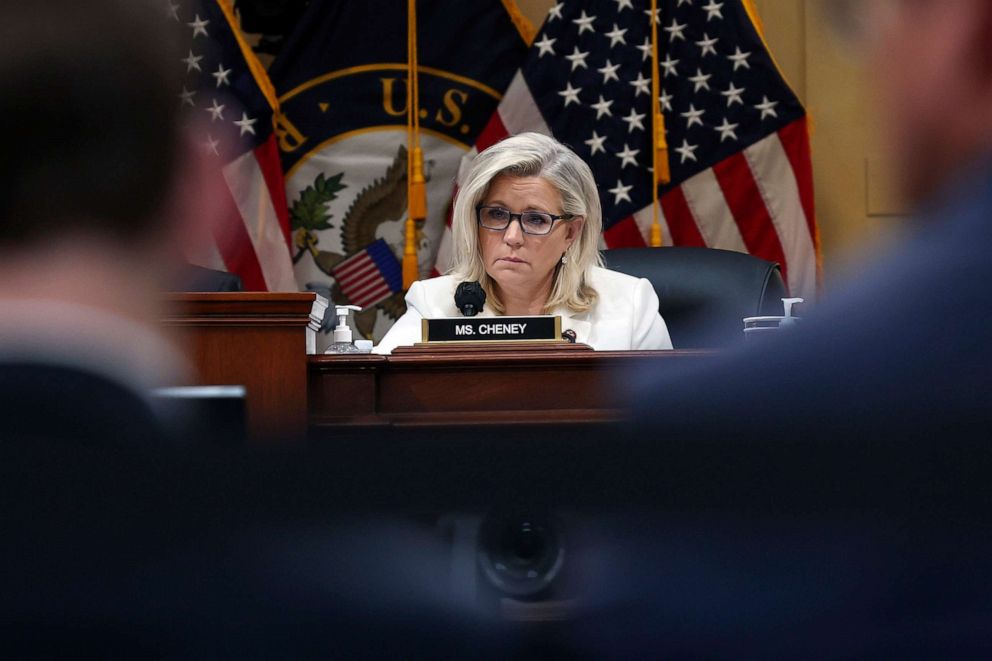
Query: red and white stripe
361, 281
252, 238
758, 201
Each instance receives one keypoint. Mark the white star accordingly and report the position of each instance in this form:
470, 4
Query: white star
571, 94
186, 96
693, 116
700, 80
668, 64
602, 107
645, 49
596, 143
634, 120
609, 71
739, 59
216, 111
623, 4
683, 2
628, 156
210, 146
642, 84
620, 192
245, 124
726, 130
555, 12
675, 30
221, 75
652, 15
172, 11
192, 62
584, 22
707, 44
733, 95
616, 36
687, 151
666, 101
766, 107
546, 46
199, 26
578, 58
713, 10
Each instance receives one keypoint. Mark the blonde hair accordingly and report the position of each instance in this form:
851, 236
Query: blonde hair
532, 155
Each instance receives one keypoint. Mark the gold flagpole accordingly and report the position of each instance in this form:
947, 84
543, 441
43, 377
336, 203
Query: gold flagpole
416, 190
662, 174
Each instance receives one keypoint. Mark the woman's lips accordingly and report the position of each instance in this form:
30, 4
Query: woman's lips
515, 260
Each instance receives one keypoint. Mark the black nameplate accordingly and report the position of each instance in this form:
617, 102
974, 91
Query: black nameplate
492, 329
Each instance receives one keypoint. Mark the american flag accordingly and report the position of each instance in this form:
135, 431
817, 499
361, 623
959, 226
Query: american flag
228, 89
737, 135
370, 275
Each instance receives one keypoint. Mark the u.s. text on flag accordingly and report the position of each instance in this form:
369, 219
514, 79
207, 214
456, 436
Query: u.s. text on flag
228, 92
737, 135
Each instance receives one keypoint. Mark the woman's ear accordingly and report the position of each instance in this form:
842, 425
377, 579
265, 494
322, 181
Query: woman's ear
574, 229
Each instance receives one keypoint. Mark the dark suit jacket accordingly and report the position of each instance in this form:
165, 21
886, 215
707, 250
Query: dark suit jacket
56, 403
847, 465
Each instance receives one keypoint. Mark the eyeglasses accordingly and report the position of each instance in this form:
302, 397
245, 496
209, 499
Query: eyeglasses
531, 222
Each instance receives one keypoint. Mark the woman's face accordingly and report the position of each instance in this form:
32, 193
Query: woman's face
514, 259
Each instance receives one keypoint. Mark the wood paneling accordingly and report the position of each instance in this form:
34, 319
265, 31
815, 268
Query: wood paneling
256, 340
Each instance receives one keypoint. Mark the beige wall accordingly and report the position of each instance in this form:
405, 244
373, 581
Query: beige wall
855, 218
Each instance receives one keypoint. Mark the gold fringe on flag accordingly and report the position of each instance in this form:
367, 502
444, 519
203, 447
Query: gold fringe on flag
416, 186
662, 174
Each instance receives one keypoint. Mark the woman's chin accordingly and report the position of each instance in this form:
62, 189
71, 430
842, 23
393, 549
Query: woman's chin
512, 274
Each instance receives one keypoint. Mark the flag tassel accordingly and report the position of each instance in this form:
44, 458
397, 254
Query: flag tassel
663, 174
418, 190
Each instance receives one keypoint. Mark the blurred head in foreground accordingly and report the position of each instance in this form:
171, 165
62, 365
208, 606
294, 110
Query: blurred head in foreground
99, 187
932, 60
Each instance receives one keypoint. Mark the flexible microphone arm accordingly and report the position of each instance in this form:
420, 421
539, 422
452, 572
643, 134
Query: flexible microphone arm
469, 298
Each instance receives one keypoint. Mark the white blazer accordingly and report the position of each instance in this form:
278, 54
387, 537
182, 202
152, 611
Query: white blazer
625, 315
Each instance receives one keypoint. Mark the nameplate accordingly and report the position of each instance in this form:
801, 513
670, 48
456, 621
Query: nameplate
492, 329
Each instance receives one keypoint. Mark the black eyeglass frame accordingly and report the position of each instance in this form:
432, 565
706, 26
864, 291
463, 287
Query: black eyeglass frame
519, 218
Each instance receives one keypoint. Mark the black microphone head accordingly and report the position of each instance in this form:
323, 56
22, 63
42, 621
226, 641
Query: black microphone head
469, 298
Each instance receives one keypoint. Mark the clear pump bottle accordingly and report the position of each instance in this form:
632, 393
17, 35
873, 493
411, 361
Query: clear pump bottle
342, 332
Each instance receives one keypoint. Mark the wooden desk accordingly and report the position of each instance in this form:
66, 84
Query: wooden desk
492, 385
257, 340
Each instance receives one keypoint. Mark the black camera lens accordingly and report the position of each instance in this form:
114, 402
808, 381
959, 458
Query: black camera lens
520, 556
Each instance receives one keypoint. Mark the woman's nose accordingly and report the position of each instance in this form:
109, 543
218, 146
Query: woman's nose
513, 235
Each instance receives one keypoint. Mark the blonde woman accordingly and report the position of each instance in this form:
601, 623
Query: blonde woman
526, 226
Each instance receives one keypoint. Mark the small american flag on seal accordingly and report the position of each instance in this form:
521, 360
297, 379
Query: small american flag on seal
370, 275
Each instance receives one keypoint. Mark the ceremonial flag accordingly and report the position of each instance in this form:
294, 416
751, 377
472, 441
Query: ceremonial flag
342, 77
738, 147
227, 86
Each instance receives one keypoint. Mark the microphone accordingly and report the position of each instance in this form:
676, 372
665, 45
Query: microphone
469, 298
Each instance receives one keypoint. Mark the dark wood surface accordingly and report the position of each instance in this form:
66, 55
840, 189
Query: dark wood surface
257, 340
464, 385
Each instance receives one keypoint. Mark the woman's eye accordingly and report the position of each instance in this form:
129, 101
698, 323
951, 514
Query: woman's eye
498, 214
536, 219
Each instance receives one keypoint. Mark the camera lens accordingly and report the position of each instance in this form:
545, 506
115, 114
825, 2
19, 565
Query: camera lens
520, 556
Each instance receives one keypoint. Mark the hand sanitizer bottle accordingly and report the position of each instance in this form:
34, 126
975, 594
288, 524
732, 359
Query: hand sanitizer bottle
342, 332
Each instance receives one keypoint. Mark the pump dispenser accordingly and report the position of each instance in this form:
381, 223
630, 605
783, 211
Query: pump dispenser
342, 332
787, 303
